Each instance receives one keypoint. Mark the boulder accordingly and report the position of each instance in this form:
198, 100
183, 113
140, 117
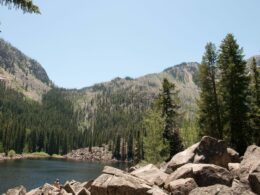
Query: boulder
240, 188
181, 158
234, 155
209, 150
182, 186
151, 174
234, 169
19, 190
250, 162
155, 190
47, 189
117, 182
254, 180
203, 174
212, 190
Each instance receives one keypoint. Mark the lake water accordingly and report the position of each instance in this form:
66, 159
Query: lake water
35, 173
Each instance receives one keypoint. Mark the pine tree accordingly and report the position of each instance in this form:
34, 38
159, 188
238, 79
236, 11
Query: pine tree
255, 102
155, 149
25, 5
168, 101
233, 87
209, 113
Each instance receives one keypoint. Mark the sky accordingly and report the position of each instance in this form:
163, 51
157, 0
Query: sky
83, 42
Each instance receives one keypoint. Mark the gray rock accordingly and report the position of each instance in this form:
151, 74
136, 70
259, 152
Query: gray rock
19, 190
240, 188
117, 182
234, 169
151, 174
203, 174
182, 186
250, 162
212, 190
155, 190
209, 150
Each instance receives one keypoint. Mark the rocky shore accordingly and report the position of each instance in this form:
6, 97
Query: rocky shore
96, 154
3, 156
206, 168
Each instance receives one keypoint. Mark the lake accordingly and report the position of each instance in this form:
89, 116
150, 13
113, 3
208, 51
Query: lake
35, 173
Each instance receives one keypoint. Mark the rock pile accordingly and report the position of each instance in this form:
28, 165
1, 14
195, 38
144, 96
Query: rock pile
96, 154
208, 167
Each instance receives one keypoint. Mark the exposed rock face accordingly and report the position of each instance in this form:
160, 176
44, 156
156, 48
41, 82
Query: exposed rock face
203, 174
208, 150
182, 186
151, 174
96, 154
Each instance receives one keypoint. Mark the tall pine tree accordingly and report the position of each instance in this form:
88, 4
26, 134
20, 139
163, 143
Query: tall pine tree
209, 111
255, 102
234, 92
168, 101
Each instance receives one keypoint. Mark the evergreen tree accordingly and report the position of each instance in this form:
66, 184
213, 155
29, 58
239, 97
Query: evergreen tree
25, 5
209, 111
168, 101
233, 87
155, 149
255, 102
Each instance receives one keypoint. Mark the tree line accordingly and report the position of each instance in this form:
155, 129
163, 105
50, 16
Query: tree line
29, 126
229, 106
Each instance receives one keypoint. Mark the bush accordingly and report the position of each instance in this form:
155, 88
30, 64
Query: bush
11, 153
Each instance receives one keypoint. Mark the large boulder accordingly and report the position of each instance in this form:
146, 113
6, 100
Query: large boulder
217, 190
117, 182
151, 174
212, 190
250, 162
203, 174
182, 186
240, 188
209, 150
19, 190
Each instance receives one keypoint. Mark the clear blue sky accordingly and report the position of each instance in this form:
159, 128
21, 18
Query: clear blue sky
82, 42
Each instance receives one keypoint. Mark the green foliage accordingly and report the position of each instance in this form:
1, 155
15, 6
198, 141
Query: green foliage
25, 5
255, 102
189, 133
233, 86
155, 148
40, 154
209, 110
11, 153
169, 104
27, 126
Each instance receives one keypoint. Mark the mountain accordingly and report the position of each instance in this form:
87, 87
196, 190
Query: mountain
146, 88
22, 73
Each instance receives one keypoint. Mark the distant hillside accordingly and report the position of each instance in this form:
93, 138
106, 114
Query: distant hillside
22, 73
146, 88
